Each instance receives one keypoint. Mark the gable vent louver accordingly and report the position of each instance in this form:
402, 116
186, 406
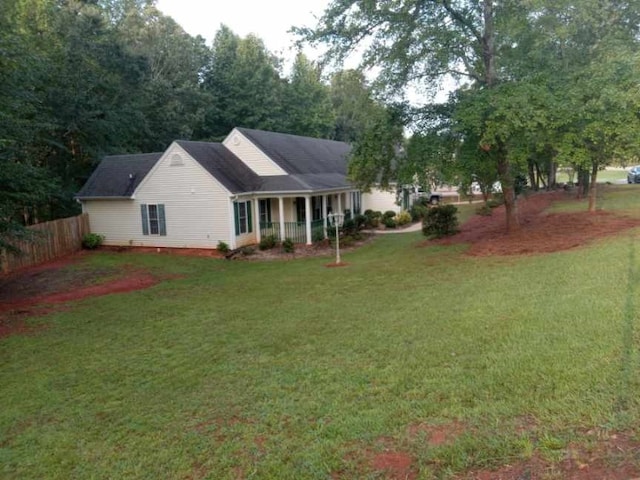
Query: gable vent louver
176, 160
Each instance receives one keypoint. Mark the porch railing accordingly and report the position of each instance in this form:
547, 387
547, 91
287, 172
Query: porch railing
317, 230
296, 231
270, 228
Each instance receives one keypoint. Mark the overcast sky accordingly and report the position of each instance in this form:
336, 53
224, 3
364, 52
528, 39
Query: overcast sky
270, 20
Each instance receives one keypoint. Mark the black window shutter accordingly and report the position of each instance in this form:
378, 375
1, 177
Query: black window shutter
161, 220
236, 216
145, 219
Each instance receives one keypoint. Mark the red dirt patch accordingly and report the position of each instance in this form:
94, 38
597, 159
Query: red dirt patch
395, 465
613, 457
436, 435
33, 291
539, 232
334, 265
389, 464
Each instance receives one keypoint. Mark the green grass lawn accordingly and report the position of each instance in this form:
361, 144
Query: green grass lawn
291, 370
608, 175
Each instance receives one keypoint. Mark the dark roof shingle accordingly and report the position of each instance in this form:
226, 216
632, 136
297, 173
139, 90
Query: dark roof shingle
301, 155
311, 164
118, 175
223, 165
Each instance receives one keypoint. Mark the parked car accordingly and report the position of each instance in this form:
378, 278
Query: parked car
633, 176
434, 197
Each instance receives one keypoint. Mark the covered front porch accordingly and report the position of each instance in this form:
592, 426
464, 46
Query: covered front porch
303, 219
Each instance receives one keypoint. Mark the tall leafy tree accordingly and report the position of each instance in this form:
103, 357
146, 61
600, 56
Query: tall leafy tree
306, 100
596, 60
25, 186
170, 97
424, 41
86, 78
243, 83
353, 104
381, 139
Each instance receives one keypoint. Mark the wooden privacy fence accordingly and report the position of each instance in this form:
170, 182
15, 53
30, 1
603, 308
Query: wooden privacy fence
51, 240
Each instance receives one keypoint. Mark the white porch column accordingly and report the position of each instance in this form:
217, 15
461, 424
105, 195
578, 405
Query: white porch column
324, 214
340, 204
281, 217
307, 217
256, 219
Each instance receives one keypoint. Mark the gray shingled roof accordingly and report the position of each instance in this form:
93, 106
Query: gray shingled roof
118, 175
223, 165
301, 155
312, 164
303, 183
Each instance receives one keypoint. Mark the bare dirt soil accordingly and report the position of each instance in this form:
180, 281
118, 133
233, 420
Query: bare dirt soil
539, 232
44, 288
603, 456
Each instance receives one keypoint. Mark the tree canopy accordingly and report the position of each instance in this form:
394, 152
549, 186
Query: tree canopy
539, 82
86, 78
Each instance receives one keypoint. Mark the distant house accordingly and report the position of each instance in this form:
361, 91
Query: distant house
196, 194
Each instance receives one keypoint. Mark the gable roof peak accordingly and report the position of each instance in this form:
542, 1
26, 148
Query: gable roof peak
296, 154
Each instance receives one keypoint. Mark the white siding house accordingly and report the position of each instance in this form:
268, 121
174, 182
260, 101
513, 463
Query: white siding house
380, 200
195, 203
251, 155
197, 194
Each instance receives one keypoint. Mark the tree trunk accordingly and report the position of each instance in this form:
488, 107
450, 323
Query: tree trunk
533, 179
508, 191
582, 177
541, 177
553, 168
488, 45
592, 188
491, 78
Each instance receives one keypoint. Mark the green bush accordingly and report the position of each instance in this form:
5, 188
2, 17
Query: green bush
372, 218
268, 242
418, 211
349, 227
389, 222
440, 221
496, 201
223, 247
288, 246
247, 251
388, 214
317, 235
91, 241
360, 221
484, 210
403, 218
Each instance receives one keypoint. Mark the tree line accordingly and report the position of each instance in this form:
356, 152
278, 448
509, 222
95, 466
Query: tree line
86, 78
540, 83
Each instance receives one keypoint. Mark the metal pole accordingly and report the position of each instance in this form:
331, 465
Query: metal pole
337, 245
